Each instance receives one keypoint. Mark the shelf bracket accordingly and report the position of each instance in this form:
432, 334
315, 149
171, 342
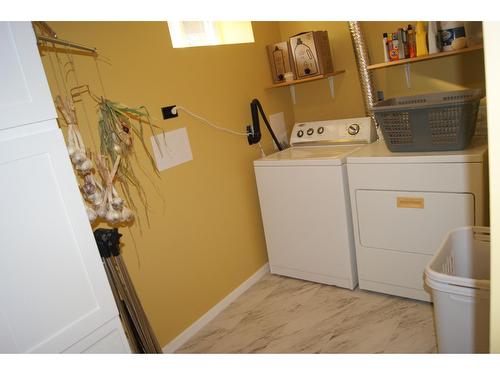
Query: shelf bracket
292, 93
332, 87
408, 75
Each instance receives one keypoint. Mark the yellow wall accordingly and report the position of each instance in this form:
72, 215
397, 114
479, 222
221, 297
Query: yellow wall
314, 101
209, 237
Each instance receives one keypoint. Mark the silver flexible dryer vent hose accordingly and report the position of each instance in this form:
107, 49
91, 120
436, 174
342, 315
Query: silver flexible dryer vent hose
362, 61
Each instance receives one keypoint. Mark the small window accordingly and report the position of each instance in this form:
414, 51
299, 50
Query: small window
209, 33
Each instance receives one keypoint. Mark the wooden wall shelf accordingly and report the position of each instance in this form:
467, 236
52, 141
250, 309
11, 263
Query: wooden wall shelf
423, 58
315, 78
292, 84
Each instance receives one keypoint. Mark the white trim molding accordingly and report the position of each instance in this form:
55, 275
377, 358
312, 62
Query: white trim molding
194, 328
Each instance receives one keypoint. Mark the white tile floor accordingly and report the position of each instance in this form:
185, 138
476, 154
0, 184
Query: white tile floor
284, 315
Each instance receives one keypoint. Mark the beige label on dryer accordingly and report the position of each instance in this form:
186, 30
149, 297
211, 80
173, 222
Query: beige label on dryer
410, 202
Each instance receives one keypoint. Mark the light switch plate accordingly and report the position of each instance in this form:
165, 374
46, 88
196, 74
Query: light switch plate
171, 148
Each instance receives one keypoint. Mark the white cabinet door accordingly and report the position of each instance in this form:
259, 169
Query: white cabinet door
109, 339
53, 287
25, 96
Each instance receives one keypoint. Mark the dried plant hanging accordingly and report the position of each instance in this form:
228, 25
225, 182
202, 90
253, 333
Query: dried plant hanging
112, 207
103, 203
118, 126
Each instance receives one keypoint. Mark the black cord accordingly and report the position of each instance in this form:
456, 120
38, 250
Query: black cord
255, 108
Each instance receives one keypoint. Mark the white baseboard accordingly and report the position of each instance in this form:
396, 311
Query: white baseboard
194, 328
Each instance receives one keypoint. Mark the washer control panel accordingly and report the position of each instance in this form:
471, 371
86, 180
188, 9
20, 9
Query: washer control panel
352, 130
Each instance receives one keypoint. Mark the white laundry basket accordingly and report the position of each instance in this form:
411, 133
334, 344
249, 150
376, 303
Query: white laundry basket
459, 276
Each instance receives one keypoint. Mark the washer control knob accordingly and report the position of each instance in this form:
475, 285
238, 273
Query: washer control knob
353, 129
321, 130
310, 131
300, 133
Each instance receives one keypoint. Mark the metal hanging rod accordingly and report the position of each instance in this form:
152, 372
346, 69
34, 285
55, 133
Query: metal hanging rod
49, 39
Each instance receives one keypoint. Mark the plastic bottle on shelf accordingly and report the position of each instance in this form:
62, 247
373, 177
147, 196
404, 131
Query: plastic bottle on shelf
406, 43
386, 50
394, 47
433, 37
421, 38
412, 47
402, 42
453, 35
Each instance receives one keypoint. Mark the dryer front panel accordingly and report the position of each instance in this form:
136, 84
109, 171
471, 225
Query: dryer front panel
410, 221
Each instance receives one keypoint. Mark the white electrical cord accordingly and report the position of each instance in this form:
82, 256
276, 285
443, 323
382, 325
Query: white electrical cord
178, 107
262, 153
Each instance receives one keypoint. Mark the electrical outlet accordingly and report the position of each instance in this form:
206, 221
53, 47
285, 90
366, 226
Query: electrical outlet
167, 112
171, 148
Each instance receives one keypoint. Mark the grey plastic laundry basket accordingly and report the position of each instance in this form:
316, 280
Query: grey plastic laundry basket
433, 122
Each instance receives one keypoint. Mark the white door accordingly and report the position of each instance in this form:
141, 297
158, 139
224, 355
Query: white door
24, 97
53, 288
54, 293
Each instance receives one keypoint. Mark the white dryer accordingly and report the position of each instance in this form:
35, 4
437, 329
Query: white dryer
404, 203
304, 201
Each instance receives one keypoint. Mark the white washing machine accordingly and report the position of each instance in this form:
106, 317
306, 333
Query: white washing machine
304, 201
404, 203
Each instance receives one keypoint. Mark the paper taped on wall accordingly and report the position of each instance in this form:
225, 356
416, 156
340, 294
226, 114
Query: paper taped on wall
174, 148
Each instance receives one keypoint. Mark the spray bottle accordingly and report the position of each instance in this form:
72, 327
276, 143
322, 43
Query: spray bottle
412, 47
386, 49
